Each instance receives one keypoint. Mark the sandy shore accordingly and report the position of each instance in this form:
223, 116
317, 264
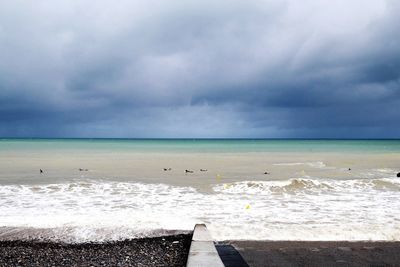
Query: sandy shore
158, 251
319, 253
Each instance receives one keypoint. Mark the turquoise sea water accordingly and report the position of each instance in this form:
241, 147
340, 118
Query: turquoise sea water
203, 145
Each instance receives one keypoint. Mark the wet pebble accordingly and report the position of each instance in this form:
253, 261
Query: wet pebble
138, 252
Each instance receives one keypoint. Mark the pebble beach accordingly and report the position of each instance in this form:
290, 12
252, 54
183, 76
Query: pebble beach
158, 251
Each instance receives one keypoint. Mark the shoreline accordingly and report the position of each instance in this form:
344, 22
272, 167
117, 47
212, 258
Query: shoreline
172, 250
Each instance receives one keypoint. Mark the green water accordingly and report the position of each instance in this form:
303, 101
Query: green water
202, 145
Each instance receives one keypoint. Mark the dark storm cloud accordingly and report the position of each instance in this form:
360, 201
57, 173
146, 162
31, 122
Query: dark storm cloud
200, 69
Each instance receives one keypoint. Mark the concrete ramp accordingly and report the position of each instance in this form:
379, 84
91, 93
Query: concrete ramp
202, 249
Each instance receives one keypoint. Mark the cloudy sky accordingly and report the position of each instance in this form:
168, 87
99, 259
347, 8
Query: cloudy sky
259, 69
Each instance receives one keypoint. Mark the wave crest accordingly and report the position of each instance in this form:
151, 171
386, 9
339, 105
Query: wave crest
308, 186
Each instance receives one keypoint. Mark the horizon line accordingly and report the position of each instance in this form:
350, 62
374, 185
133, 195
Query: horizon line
192, 138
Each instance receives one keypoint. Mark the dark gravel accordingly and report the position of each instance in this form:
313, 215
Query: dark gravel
158, 251
319, 253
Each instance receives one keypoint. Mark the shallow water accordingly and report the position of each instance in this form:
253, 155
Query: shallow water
309, 192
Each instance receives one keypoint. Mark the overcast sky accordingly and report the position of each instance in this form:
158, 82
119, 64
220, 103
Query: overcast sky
258, 69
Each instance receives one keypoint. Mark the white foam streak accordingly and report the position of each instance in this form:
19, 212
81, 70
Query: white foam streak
315, 164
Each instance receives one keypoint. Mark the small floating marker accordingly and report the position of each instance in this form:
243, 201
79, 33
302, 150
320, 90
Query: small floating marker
226, 186
248, 206
219, 176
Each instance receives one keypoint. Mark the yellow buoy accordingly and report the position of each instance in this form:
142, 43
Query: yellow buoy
218, 176
248, 206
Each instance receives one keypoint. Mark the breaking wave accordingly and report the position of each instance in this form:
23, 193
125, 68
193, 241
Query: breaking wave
309, 186
294, 209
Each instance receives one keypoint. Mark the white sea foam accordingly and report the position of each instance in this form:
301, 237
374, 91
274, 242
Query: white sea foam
294, 209
315, 164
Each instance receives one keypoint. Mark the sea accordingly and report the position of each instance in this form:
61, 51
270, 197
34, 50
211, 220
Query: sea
99, 190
